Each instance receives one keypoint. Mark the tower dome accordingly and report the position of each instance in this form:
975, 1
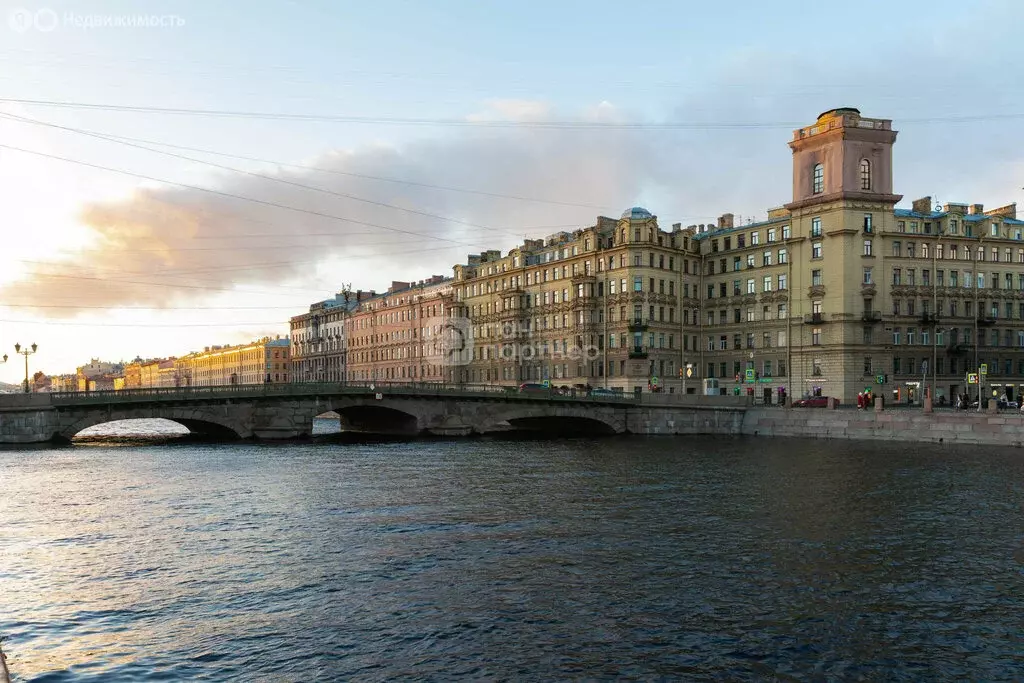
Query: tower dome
636, 212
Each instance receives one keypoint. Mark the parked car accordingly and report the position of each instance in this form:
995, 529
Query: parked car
533, 389
813, 402
602, 391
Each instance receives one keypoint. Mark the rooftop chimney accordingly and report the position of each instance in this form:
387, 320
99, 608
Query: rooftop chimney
923, 205
977, 209
726, 220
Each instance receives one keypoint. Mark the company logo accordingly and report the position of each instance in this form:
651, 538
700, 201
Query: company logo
448, 341
22, 20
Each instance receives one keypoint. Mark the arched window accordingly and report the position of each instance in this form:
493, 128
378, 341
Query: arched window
818, 181
865, 174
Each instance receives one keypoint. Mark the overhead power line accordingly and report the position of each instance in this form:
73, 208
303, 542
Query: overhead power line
231, 195
319, 169
469, 123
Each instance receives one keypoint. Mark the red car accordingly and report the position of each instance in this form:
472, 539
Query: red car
813, 402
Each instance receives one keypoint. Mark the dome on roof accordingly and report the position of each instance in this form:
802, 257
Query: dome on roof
636, 212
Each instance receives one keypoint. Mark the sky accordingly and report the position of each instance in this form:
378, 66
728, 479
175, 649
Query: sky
199, 180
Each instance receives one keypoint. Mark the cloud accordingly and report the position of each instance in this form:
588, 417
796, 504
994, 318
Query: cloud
166, 246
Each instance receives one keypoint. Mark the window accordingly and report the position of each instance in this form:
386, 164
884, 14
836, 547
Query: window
750, 260
865, 181
897, 276
897, 248
782, 282
785, 232
867, 275
771, 234
867, 247
815, 278
783, 256
818, 179
755, 238
766, 284
816, 250
910, 249
750, 286
638, 284
766, 258
868, 225
735, 263
867, 365
901, 226
816, 367
816, 227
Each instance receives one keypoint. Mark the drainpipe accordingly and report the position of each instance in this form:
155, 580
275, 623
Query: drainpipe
789, 324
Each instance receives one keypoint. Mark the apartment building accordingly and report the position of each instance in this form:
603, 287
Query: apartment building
265, 361
839, 290
399, 335
318, 339
611, 305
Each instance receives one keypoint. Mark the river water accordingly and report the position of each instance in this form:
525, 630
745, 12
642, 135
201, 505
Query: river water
649, 558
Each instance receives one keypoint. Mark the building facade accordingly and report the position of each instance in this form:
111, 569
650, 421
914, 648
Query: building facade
265, 361
398, 335
318, 340
839, 291
611, 305
834, 292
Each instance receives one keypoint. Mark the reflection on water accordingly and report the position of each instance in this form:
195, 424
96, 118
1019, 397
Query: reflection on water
675, 558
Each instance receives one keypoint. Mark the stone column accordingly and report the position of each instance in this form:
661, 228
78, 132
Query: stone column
878, 404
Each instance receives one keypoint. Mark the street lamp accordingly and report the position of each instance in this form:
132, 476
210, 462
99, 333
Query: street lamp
26, 353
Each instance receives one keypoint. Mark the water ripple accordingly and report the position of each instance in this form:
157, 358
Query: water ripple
652, 559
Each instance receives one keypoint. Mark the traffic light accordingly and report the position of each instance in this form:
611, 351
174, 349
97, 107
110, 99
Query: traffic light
887, 379
681, 373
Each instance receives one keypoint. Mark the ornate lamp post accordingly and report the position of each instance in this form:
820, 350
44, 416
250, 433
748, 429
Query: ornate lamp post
26, 353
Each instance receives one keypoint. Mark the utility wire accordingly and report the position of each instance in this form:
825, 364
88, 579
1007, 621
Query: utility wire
253, 174
230, 195
467, 123
332, 171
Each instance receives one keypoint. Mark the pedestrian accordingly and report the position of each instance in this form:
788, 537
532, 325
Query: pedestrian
860, 400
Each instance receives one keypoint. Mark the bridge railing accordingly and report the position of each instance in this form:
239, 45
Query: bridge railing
410, 389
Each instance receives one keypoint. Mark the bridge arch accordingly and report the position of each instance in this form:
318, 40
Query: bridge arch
377, 418
200, 423
556, 419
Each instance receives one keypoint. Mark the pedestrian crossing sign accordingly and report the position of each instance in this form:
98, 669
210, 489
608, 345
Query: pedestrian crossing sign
972, 378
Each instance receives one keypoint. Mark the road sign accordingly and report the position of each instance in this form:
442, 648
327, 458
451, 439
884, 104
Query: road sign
654, 381
689, 370
984, 369
750, 374
972, 378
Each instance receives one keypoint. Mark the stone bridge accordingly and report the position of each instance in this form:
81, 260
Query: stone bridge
274, 412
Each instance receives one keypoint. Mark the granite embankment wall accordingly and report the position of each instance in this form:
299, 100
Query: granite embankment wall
995, 429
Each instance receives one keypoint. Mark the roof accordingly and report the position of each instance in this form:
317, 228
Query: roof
968, 217
741, 228
636, 212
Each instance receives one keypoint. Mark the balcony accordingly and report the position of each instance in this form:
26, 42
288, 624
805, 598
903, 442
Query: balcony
871, 316
958, 349
637, 352
986, 321
929, 318
814, 318
637, 325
